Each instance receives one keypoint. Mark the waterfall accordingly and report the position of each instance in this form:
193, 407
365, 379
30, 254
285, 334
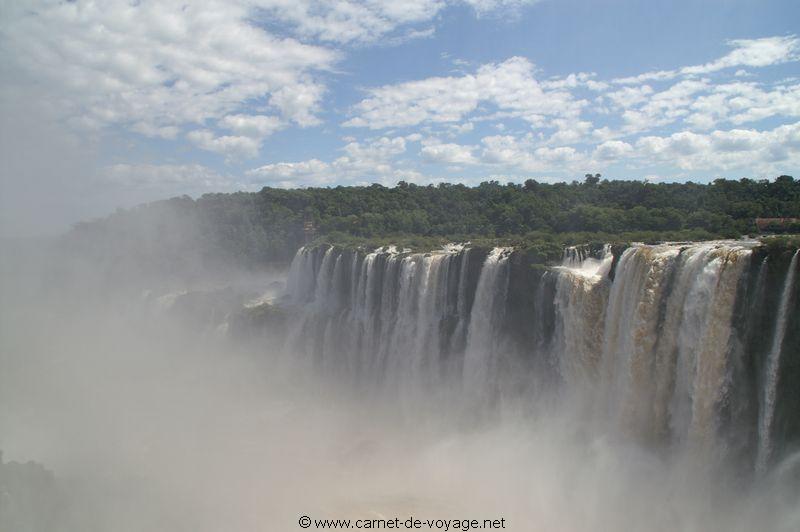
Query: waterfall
462, 302
711, 365
652, 344
652, 352
480, 360
629, 338
378, 316
772, 370
579, 302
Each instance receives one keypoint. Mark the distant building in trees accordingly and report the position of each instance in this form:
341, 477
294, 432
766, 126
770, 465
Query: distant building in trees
778, 225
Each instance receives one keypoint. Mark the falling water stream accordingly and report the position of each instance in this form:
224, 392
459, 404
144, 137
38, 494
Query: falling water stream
649, 348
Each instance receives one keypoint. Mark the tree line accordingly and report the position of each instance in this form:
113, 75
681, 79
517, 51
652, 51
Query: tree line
269, 225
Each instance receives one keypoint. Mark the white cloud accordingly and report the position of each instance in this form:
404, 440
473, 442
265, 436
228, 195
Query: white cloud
509, 90
299, 103
572, 81
483, 7
740, 103
703, 104
627, 97
232, 147
311, 172
448, 153
747, 149
752, 53
569, 131
752, 151
504, 149
746, 53
254, 126
362, 162
612, 150
522, 154
165, 175
659, 75
415, 102
455, 130
149, 130
381, 149
510, 86
663, 107
158, 67
349, 21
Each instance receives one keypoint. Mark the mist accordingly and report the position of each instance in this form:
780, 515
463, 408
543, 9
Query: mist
149, 414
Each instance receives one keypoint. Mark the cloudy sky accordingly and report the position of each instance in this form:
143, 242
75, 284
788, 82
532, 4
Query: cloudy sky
113, 102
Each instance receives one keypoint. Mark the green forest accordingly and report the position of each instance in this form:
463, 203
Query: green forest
268, 226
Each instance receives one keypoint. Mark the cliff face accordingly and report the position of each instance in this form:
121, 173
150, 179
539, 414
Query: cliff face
692, 345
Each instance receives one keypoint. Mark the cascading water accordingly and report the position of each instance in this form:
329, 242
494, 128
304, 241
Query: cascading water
390, 318
772, 370
648, 339
480, 357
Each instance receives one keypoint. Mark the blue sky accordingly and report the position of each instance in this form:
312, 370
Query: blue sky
110, 103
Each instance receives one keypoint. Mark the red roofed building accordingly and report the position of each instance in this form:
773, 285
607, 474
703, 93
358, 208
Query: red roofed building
777, 224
